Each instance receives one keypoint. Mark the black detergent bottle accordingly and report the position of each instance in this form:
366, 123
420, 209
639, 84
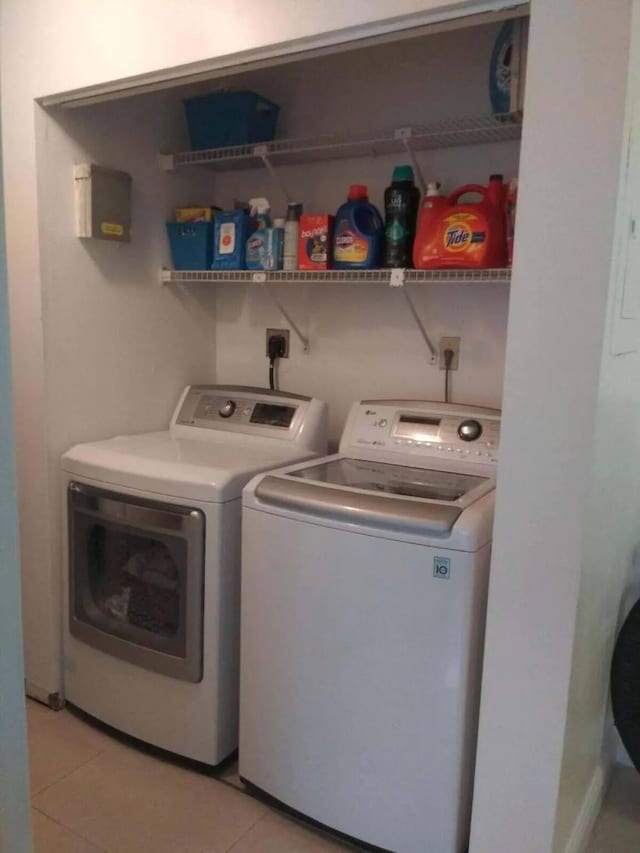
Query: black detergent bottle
401, 202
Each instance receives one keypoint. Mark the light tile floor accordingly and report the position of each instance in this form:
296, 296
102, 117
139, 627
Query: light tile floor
618, 827
93, 793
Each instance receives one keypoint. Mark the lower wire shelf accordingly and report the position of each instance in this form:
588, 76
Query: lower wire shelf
392, 277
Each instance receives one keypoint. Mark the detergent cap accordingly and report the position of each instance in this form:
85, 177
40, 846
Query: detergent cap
278, 222
358, 192
259, 206
402, 173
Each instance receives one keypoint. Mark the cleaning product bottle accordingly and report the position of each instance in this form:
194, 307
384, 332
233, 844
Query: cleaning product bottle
274, 245
291, 234
432, 204
359, 232
401, 201
257, 242
510, 213
468, 235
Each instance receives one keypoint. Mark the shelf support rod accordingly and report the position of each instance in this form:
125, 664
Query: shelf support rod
425, 335
302, 338
406, 141
262, 152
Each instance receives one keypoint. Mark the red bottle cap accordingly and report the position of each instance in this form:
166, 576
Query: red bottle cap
358, 192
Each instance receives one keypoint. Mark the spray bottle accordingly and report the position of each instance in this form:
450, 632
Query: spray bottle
257, 243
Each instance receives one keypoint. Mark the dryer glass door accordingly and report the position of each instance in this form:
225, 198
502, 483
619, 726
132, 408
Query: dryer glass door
136, 572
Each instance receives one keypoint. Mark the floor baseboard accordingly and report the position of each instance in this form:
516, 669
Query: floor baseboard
591, 805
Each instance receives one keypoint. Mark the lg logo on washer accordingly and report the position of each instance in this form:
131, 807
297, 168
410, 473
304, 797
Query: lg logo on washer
442, 567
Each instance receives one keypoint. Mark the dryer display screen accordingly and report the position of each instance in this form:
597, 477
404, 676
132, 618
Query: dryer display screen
272, 415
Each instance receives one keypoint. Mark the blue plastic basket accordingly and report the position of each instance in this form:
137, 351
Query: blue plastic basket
225, 119
191, 245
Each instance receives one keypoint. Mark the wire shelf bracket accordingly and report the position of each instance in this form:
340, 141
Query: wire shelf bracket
404, 134
262, 151
397, 279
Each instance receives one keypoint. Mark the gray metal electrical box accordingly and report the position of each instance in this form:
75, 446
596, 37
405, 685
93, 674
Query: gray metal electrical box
103, 203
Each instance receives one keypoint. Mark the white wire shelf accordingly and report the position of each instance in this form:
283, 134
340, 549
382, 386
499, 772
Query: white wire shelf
393, 277
470, 130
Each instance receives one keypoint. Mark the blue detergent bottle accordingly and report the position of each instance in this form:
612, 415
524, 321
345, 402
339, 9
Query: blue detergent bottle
359, 233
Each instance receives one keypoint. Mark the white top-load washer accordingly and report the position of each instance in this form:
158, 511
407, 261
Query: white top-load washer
364, 587
152, 563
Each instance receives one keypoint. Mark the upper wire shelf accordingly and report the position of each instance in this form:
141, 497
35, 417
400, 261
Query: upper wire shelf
470, 130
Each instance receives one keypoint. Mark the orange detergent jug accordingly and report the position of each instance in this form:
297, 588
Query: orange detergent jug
469, 235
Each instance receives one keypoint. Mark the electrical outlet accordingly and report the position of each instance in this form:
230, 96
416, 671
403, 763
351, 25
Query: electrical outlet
449, 343
285, 334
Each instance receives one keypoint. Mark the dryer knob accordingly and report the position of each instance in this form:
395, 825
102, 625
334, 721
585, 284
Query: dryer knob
470, 430
227, 409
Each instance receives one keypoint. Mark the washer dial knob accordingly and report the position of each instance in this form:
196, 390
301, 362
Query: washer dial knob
470, 430
227, 409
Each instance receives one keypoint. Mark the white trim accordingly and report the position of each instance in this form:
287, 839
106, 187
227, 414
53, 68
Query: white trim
34, 692
474, 12
591, 805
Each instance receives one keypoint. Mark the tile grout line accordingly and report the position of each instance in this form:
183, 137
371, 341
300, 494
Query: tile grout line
69, 829
66, 776
247, 831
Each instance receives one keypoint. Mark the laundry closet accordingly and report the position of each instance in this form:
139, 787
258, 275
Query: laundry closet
123, 334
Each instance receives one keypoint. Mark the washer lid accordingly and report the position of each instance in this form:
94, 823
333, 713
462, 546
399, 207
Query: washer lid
445, 486
375, 494
212, 470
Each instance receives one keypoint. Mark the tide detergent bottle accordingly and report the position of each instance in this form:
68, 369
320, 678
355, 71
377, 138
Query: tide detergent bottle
468, 235
359, 232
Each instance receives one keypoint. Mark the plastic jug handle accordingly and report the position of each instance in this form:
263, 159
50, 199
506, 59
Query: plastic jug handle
468, 188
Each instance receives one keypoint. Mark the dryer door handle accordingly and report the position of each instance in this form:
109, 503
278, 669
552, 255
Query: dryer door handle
145, 515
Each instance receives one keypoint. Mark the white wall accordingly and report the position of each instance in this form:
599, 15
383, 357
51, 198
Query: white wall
78, 47
610, 580
15, 832
570, 161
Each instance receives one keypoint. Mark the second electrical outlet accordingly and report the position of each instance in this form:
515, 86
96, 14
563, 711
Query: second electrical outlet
274, 333
452, 344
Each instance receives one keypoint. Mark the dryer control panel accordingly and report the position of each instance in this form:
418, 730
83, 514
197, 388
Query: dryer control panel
424, 429
205, 409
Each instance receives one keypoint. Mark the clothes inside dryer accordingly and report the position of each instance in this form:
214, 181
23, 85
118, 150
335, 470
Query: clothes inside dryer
446, 486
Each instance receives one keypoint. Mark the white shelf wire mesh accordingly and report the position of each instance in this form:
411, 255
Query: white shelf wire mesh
385, 276
470, 130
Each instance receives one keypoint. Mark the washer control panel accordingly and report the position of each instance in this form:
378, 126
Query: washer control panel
424, 429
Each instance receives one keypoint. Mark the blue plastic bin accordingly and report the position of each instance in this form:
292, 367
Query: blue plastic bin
225, 119
191, 244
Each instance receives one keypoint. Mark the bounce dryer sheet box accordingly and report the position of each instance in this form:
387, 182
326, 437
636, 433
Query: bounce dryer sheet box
314, 242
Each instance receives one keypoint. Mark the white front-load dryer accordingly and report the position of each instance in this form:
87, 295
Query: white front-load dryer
152, 563
364, 587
